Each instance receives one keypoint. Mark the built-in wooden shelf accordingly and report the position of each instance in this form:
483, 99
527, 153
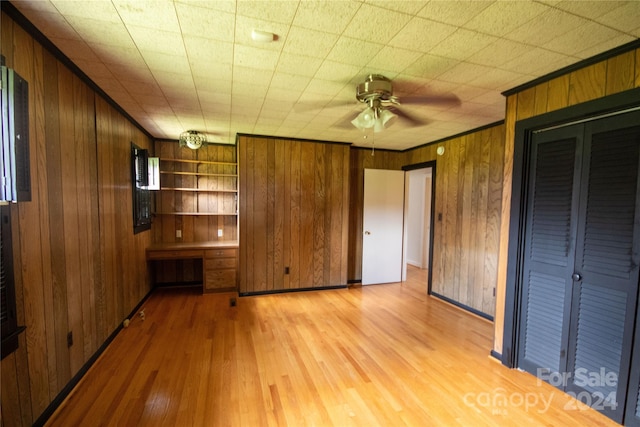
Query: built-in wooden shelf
200, 190
205, 162
228, 175
196, 213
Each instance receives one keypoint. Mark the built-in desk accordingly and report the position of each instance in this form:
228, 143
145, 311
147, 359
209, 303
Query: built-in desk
219, 261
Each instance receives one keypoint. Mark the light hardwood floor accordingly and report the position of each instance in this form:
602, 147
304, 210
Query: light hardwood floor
377, 355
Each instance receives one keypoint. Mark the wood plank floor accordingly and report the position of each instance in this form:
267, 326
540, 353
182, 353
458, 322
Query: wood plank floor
377, 355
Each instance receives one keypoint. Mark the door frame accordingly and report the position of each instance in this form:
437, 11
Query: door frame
430, 164
524, 129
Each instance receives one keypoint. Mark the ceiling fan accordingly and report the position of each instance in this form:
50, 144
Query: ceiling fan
383, 107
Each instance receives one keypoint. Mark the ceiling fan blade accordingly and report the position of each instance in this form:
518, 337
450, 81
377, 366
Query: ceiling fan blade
450, 100
304, 107
413, 120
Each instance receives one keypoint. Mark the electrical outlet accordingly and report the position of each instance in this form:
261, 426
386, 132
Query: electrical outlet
69, 339
219, 232
178, 234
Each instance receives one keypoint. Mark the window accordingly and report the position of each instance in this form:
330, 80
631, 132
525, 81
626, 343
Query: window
141, 193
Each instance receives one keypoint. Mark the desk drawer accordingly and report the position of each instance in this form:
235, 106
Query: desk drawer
217, 279
174, 254
221, 253
217, 263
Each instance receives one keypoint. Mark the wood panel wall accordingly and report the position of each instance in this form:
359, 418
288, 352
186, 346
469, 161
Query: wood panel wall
79, 268
606, 77
294, 207
467, 197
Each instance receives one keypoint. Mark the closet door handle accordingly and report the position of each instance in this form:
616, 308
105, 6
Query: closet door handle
576, 277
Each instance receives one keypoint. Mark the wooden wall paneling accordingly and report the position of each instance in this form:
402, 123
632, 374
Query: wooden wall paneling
335, 172
107, 207
319, 208
526, 103
558, 95
56, 220
587, 83
439, 225
637, 69
279, 208
283, 157
259, 212
470, 285
541, 98
450, 217
493, 218
307, 206
463, 232
295, 202
485, 141
243, 172
270, 217
345, 221
16, 369
69, 227
620, 73
354, 267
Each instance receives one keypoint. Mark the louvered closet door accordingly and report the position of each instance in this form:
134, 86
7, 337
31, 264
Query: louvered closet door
549, 252
606, 270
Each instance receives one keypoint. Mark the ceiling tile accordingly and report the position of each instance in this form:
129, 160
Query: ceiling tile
307, 42
464, 72
498, 53
337, 72
536, 62
546, 27
462, 44
300, 65
149, 14
258, 59
591, 9
276, 11
205, 22
95, 10
325, 16
409, 7
211, 52
152, 40
392, 59
624, 18
430, 66
581, 38
160, 62
376, 25
422, 35
453, 12
503, 17
352, 51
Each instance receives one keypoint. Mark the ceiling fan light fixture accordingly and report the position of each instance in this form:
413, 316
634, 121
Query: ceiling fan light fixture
192, 139
365, 120
376, 118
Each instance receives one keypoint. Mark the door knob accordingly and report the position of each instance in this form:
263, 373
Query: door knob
367, 233
576, 277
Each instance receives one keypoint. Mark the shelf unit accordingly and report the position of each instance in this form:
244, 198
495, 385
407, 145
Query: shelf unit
191, 187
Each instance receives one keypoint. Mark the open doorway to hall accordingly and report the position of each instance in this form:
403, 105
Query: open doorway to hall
419, 222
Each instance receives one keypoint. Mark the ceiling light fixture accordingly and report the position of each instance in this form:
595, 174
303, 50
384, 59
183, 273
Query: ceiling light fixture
374, 116
262, 36
192, 139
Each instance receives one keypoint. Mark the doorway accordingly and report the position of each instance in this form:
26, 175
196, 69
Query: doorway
418, 230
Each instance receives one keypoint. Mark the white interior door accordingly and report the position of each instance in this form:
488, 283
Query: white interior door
382, 226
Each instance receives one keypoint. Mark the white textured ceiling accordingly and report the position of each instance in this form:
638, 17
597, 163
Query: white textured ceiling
191, 64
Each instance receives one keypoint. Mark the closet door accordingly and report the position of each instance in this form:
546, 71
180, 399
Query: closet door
605, 278
550, 230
